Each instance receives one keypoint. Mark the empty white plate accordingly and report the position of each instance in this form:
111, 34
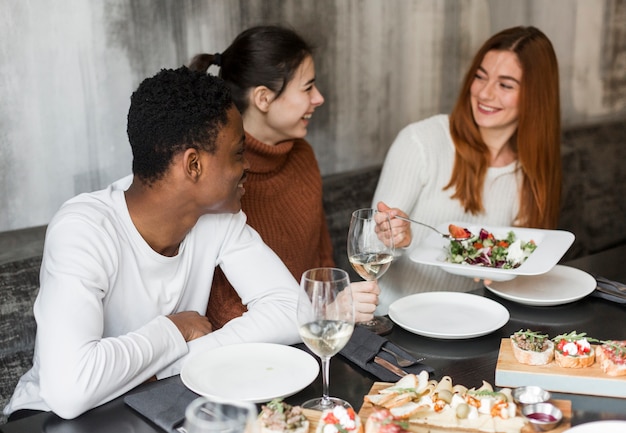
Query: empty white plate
599, 427
254, 372
448, 315
561, 285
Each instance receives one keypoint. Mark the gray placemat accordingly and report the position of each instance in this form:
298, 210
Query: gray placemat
364, 345
163, 403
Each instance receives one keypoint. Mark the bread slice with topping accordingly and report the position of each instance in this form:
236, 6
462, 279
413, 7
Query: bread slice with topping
339, 420
574, 350
280, 417
612, 357
532, 348
383, 421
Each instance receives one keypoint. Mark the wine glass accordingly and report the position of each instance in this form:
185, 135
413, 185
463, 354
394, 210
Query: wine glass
325, 322
370, 251
211, 415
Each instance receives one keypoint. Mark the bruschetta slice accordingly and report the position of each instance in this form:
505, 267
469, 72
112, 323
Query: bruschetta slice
382, 421
532, 348
280, 417
612, 357
574, 350
339, 420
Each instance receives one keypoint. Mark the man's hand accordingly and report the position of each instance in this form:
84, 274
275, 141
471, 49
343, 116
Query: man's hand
191, 324
365, 299
401, 229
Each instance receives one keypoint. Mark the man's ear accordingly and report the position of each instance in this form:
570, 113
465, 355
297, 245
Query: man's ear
192, 164
262, 97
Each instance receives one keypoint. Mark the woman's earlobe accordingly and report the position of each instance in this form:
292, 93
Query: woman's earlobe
262, 97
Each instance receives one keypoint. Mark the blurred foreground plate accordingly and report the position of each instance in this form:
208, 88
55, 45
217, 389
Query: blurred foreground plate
599, 427
551, 246
561, 285
254, 372
448, 315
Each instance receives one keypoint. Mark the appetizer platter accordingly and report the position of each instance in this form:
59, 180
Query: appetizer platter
419, 405
491, 252
566, 363
416, 404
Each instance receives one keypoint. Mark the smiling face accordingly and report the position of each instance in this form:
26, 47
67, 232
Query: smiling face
226, 169
495, 91
288, 115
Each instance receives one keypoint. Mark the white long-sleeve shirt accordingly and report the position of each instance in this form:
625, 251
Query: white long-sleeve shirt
104, 295
417, 168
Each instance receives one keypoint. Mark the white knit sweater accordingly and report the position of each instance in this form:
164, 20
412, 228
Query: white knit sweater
105, 294
416, 169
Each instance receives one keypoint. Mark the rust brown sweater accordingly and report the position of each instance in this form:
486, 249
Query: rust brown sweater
283, 202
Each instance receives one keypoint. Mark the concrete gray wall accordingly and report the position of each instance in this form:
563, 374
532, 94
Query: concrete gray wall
68, 68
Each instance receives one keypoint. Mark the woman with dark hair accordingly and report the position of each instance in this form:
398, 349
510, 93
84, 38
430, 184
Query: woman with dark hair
495, 160
271, 74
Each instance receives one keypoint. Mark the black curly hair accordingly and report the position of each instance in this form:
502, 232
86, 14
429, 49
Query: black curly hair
170, 112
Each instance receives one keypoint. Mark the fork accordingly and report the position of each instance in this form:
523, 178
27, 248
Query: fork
615, 284
443, 235
402, 362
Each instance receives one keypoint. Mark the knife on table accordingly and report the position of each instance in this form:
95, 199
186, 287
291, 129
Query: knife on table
389, 366
609, 290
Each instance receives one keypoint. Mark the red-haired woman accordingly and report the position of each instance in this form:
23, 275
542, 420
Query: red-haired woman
495, 160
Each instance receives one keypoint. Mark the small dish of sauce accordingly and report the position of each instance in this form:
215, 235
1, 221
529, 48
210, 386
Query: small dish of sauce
542, 416
530, 395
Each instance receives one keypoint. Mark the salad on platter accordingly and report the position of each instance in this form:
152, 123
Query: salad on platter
484, 249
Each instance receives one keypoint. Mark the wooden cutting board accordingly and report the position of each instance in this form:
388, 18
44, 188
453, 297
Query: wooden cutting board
590, 380
367, 409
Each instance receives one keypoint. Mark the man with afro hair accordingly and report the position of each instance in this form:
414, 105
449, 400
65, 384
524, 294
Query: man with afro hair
127, 270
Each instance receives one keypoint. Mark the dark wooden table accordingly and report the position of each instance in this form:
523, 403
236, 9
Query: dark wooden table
468, 362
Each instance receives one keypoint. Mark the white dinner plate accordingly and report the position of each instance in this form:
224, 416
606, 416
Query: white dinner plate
607, 426
448, 315
254, 372
551, 245
561, 285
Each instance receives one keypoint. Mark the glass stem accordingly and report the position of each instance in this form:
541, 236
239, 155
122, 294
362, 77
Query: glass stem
374, 322
325, 375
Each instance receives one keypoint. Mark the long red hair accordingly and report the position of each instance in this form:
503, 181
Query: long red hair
536, 141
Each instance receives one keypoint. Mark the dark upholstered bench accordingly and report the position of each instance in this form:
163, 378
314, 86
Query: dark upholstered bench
19, 283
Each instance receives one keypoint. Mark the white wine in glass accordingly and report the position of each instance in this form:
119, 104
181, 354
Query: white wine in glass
370, 252
326, 322
371, 265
